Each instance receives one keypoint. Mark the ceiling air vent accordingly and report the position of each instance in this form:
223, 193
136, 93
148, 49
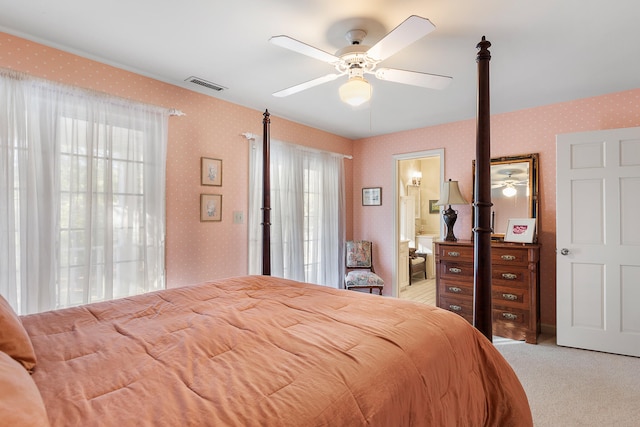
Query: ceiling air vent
203, 82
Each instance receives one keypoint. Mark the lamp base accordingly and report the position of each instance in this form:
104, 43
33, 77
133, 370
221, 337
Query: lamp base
450, 216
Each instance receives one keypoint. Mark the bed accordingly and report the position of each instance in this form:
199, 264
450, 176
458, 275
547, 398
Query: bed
253, 350
260, 350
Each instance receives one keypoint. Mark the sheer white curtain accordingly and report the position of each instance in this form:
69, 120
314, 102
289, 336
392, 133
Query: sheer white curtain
307, 213
82, 189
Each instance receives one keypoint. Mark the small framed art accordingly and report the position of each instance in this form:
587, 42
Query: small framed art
372, 196
210, 171
433, 207
521, 230
210, 207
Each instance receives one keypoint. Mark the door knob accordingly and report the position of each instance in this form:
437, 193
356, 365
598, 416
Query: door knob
564, 251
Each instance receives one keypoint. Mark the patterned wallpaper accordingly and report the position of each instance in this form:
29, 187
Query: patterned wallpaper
527, 131
195, 251
212, 128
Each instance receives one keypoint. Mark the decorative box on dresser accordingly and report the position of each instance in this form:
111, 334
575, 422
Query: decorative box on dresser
514, 285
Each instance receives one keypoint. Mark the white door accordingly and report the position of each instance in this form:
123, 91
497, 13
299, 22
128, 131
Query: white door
598, 240
407, 220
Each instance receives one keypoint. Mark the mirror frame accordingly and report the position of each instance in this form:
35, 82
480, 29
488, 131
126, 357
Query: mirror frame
532, 159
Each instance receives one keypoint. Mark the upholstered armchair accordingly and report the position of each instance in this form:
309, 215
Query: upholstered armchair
359, 263
417, 264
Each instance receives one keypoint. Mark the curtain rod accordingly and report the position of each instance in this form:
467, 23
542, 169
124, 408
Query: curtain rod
252, 136
19, 75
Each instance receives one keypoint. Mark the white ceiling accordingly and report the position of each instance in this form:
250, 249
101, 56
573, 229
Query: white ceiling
543, 51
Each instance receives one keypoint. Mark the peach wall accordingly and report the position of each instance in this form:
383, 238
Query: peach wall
212, 128
195, 251
526, 131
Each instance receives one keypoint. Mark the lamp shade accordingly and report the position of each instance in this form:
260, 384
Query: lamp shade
451, 195
356, 91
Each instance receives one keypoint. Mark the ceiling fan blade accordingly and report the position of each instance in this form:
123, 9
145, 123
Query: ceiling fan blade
412, 29
303, 48
432, 81
306, 85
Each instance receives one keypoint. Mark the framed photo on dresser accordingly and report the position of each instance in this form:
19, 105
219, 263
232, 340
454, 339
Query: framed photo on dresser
521, 230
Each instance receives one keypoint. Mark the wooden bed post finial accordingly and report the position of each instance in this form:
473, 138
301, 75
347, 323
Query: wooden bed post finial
484, 46
266, 195
482, 310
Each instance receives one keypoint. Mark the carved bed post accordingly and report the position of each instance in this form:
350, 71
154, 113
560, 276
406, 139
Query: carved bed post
266, 196
482, 312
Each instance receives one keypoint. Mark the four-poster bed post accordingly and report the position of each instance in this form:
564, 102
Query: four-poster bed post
266, 196
482, 231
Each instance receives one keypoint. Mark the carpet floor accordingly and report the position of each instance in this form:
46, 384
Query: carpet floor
571, 387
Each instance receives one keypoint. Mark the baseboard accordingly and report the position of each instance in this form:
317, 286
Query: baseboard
548, 329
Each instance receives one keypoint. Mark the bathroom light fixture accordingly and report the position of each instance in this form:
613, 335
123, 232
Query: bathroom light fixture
416, 179
451, 195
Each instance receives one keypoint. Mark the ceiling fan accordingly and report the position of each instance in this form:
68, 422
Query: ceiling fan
356, 60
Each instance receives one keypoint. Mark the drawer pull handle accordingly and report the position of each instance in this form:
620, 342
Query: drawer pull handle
510, 297
453, 253
453, 307
508, 257
509, 276
455, 270
510, 316
455, 289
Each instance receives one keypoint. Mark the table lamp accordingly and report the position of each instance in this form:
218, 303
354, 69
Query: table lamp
450, 196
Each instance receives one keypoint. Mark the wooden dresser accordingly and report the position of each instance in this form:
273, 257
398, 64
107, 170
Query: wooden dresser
514, 285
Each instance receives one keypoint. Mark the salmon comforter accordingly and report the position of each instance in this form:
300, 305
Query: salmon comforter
263, 351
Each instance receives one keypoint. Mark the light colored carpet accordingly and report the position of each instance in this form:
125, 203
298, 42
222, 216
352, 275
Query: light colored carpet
571, 387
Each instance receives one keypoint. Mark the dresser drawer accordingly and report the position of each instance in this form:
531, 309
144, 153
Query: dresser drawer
511, 316
510, 297
455, 253
461, 306
502, 275
454, 289
455, 271
510, 256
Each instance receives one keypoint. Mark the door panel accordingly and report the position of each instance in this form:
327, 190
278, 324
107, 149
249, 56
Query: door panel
630, 211
598, 240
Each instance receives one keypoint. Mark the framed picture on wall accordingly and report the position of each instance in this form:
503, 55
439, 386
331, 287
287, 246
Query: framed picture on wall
520, 230
210, 171
433, 208
372, 196
210, 207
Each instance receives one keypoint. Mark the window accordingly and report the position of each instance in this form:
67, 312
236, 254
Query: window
87, 211
307, 214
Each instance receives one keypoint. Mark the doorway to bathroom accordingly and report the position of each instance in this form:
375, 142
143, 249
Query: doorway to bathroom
418, 222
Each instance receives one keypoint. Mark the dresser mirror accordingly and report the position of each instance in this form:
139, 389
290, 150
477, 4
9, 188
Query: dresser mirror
514, 190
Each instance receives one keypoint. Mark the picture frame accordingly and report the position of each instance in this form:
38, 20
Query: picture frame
433, 207
210, 171
372, 196
521, 230
210, 207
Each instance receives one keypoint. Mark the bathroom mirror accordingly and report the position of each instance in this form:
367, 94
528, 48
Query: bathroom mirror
514, 190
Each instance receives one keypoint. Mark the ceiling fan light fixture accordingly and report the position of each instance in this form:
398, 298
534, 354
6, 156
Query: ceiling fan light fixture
509, 191
356, 91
